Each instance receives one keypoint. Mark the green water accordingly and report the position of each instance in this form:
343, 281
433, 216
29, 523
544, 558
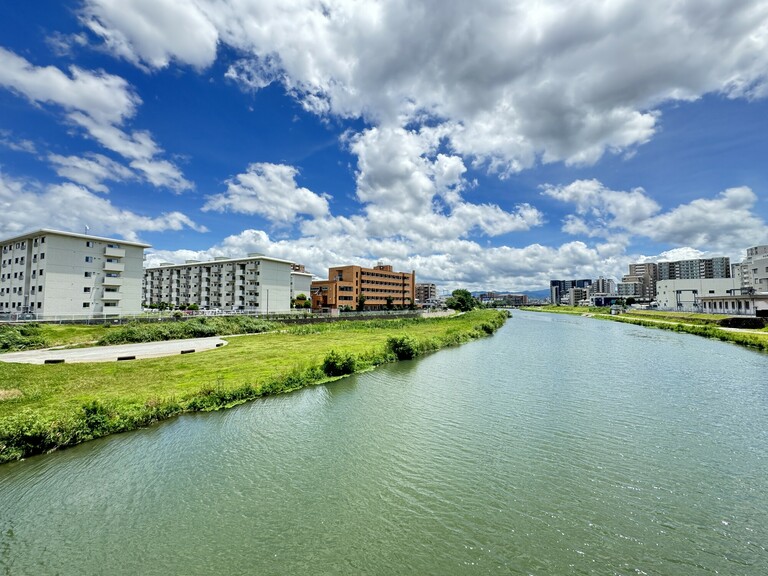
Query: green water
561, 445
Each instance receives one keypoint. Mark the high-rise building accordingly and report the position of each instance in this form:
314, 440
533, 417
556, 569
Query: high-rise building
426, 293
718, 267
753, 270
52, 273
603, 286
559, 289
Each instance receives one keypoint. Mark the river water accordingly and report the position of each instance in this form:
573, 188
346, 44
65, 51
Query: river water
561, 445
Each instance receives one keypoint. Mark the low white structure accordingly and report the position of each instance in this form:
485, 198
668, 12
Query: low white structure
686, 295
51, 273
736, 304
256, 283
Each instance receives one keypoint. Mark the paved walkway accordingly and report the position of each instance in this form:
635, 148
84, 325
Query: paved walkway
114, 353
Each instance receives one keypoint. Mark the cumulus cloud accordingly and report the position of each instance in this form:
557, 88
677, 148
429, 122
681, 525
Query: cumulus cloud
269, 190
517, 83
26, 205
152, 32
409, 188
726, 223
90, 170
98, 102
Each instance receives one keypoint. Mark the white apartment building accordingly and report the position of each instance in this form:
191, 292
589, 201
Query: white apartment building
753, 270
53, 273
256, 283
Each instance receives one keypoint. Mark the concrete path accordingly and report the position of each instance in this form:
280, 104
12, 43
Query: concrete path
114, 353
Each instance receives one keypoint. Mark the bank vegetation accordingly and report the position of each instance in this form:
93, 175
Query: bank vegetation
45, 407
743, 331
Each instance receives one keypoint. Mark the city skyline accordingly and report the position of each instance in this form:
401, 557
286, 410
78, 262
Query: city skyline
489, 150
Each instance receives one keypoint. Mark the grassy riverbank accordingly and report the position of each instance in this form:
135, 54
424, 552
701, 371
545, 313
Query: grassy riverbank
46, 407
707, 325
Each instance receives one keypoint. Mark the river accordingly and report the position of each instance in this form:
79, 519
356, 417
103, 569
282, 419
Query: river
560, 445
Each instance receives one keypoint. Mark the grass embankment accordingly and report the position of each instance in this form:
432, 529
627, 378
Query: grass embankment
46, 407
706, 325
35, 336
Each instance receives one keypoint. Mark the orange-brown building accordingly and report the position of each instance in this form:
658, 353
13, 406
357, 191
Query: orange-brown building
379, 285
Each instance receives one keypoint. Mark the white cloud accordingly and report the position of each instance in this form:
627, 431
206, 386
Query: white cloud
98, 102
151, 32
254, 73
269, 190
516, 82
8, 140
91, 171
27, 205
451, 264
726, 224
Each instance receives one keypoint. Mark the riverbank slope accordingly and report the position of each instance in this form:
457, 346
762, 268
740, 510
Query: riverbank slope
706, 325
51, 406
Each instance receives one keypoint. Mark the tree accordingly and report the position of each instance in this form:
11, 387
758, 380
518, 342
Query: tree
361, 302
461, 300
630, 301
390, 302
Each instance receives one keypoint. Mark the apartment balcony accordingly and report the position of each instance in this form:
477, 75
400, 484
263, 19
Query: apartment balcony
114, 267
112, 281
114, 252
112, 296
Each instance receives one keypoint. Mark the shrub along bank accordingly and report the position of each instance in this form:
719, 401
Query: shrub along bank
47, 407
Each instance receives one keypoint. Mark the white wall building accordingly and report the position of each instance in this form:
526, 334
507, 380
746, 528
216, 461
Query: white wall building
52, 273
256, 283
753, 270
685, 295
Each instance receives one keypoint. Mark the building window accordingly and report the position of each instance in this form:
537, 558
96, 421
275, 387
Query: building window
86, 304
89, 258
87, 289
39, 305
42, 255
88, 274
88, 244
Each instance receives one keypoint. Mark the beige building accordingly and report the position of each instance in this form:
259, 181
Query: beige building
380, 286
51, 273
256, 283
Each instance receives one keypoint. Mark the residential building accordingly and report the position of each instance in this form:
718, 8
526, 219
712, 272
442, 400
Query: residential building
752, 272
632, 286
380, 286
640, 283
718, 267
425, 293
256, 283
559, 289
53, 273
602, 286
578, 296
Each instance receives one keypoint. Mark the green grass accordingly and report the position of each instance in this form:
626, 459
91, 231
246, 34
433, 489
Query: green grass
49, 406
706, 325
34, 336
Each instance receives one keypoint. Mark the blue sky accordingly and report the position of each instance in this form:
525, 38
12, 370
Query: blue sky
487, 149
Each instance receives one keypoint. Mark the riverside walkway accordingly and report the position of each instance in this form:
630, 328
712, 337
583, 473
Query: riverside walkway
121, 352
